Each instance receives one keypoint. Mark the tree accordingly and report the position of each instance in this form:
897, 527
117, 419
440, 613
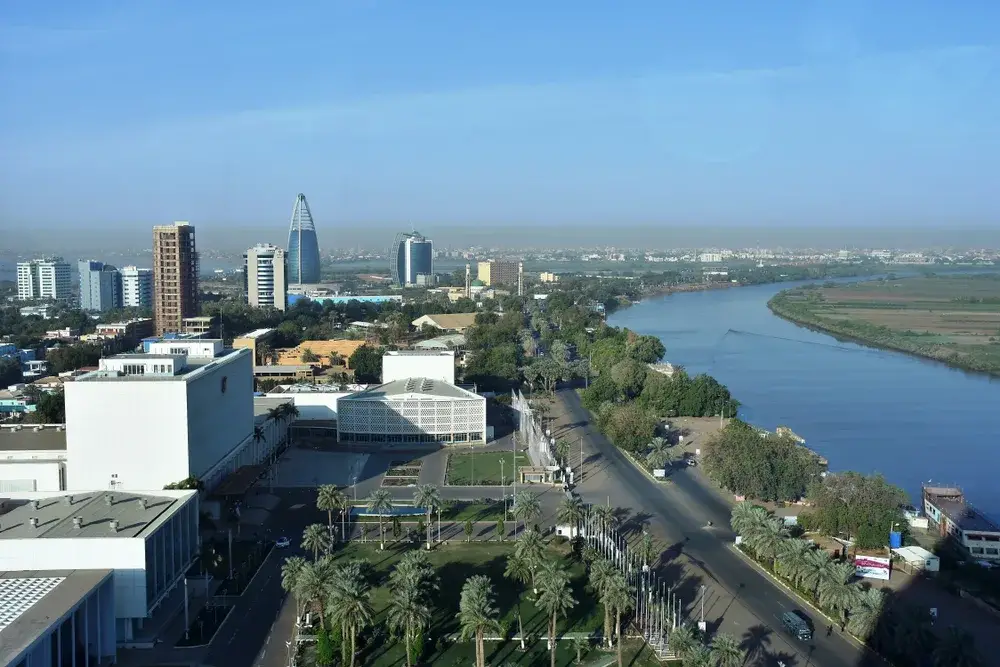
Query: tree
316, 538
51, 408
791, 560
621, 597
817, 567
601, 574
628, 425
860, 507
684, 641
659, 455
324, 648
349, 602
580, 644
629, 376
477, 613
767, 541
10, 372
647, 550
556, 598
836, 591
725, 651
747, 518
308, 356
571, 512
428, 497
312, 584
531, 549
527, 507
501, 529
291, 570
345, 505
957, 649
328, 499
408, 613
380, 503
519, 570
866, 612
367, 364
469, 529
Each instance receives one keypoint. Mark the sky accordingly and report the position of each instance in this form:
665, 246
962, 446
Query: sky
798, 113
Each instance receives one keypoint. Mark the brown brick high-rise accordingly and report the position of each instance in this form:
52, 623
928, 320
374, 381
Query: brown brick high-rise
175, 276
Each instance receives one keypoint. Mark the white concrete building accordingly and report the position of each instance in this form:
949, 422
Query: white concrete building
265, 276
433, 364
414, 411
44, 279
146, 420
148, 539
32, 457
137, 287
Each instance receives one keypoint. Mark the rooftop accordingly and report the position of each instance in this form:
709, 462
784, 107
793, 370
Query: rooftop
442, 342
33, 437
193, 367
963, 515
419, 353
449, 320
58, 516
30, 601
411, 387
257, 333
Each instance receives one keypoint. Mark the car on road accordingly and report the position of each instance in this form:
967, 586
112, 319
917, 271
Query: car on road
282, 542
798, 624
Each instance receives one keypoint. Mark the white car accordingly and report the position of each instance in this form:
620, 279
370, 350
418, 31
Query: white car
282, 543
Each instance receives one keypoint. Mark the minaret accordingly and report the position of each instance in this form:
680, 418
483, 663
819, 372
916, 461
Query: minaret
520, 278
468, 281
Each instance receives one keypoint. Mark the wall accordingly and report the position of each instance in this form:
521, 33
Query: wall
435, 366
133, 428
27, 475
218, 421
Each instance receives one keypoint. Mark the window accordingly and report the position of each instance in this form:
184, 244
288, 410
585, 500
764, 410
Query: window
992, 552
976, 550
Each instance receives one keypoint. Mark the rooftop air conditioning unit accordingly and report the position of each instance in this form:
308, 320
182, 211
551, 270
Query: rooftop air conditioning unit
78, 522
113, 525
34, 522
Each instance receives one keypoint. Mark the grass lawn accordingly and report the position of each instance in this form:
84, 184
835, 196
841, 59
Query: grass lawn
470, 469
454, 564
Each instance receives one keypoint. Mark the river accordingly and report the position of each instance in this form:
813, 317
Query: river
868, 410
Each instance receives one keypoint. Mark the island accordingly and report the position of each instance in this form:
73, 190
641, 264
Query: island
954, 319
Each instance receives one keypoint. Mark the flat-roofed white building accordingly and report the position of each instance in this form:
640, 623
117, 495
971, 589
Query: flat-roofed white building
142, 421
32, 457
412, 410
148, 539
404, 364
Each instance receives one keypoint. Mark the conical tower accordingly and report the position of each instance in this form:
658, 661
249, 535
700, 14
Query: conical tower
303, 246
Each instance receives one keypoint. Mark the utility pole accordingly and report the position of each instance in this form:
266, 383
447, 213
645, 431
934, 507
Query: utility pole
581, 458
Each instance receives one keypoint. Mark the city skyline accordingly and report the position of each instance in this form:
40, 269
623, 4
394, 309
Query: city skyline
821, 114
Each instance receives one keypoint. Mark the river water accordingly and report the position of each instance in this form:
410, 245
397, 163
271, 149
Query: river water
868, 410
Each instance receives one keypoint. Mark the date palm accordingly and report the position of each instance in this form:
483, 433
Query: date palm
699, 656
527, 507
477, 613
647, 550
572, 512
408, 613
601, 573
316, 538
866, 612
380, 503
792, 558
327, 500
518, 570
349, 601
291, 570
414, 570
607, 519
683, 641
746, 518
344, 505
836, 591
621, 597
725, 651
428, 497
957, 649
768, 539
556, 598
817, 567
531, 549
312, 584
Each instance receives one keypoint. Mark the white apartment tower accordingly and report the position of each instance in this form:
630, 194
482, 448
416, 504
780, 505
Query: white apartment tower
265, 276
44, 279
137, 287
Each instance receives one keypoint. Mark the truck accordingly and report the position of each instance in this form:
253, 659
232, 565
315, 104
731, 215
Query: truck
798, 625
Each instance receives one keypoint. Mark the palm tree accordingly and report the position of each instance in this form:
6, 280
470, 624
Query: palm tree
312, 584
747, 517
957, 649
350, 603
520, 571
415, 570
572, 512
291, 570
428, 497
912, 636
726, 652
327, 500
683, 641
408, 612
344, 505
477, 613
817, 567
768, 539
601, 573
607, 518
556, 599
527, 507
380, 503
316, 538
792, 558
836, 591
659, 454
647, 550
620, 596
867, 610
288, 411
699, 656
531, 549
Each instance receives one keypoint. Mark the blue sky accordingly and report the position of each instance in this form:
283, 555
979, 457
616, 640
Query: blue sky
742, 112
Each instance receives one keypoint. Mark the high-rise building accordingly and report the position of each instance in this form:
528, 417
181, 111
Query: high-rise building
175, 276
100, 286
47, 278
498, 272
411, 256
265, 276
303, 247
137, 287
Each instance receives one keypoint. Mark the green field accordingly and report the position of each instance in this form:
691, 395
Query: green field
952, 318
472, 469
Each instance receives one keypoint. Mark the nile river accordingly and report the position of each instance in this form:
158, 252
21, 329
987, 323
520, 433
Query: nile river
863, 409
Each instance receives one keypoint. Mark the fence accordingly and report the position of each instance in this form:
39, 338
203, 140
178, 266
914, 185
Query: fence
530, 433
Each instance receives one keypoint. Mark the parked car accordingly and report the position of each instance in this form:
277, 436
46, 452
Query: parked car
282, 542
798, 624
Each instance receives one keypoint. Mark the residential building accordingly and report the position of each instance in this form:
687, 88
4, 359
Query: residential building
405, 364
412, 411
43, 311
137, 287
265, 277
175, 276
548, 277
289, 373
142, 421
44, 279
457, 322
497, 272
131, 332
948, 511
325, 350
203, 326
411, 260
100, 286
303, 246
258, 342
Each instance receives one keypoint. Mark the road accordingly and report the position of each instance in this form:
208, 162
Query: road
738, 596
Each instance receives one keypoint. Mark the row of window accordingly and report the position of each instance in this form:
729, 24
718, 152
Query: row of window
978, 551
413, 438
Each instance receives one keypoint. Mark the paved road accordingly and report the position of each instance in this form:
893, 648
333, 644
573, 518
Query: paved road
737, 596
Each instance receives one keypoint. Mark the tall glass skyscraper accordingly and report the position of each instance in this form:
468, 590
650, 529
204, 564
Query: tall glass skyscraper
410, 256
303, 248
